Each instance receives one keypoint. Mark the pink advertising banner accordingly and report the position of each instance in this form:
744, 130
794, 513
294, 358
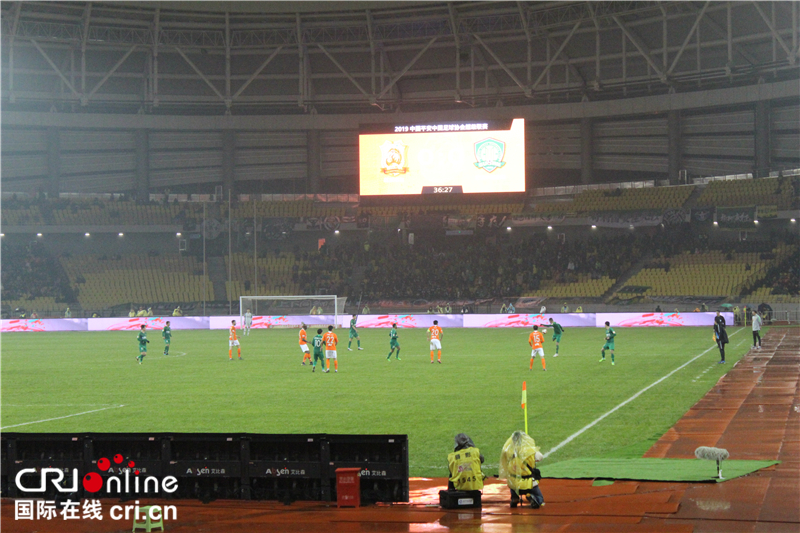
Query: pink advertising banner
528, 321
152, 322
406, 321
43, 324
636, 320
274, 321
366, 321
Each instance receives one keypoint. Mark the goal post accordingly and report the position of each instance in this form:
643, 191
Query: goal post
329, 305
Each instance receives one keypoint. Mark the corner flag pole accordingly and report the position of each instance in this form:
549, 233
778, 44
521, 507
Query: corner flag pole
525, 404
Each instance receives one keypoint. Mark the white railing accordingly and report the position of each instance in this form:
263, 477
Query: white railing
575, 189
729, 177
568, 190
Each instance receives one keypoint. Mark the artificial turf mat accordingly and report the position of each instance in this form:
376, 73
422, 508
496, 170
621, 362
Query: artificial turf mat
687, 470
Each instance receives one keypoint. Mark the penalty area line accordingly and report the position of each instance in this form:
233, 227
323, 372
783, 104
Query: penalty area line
626, 402
62, 417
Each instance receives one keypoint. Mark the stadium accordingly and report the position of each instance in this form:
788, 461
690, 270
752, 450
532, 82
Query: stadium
384, 208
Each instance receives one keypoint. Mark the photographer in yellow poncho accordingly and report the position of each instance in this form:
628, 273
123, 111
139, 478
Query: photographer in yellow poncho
518, 468
465, 465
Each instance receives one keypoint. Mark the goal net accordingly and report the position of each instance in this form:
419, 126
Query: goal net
328, 305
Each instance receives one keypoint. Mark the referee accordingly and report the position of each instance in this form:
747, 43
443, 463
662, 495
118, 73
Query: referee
720, 336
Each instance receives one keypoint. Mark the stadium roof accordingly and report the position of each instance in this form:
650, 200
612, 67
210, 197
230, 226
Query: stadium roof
332, 57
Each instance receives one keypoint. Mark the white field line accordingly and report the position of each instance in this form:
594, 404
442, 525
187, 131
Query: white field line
62, 417
626, 402
56, 404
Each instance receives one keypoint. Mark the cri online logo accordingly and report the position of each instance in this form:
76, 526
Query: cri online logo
93, 482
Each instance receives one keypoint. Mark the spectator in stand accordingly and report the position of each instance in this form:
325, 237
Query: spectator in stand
658, 309
365, 310
503, 308
34, 315
30, 272
67, 313
511, 308
565, 308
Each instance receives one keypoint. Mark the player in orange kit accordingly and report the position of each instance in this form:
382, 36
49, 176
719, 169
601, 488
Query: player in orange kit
233, 341
331, 340
435, 337
535, 339
304, 345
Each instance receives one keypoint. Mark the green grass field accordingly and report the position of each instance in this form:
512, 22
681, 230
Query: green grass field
476, 390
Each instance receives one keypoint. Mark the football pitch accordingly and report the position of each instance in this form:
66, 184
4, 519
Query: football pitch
91, 382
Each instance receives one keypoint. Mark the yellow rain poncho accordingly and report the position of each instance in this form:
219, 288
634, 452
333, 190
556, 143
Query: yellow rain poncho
517, 461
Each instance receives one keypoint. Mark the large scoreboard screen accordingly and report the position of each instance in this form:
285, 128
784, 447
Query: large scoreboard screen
439, 158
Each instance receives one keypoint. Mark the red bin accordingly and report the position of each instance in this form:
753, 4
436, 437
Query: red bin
348, 487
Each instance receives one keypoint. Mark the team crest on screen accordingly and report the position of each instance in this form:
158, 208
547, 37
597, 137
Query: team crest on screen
489, 154
394, 158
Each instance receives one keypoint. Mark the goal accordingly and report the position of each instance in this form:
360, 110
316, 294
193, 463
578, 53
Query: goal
329, 305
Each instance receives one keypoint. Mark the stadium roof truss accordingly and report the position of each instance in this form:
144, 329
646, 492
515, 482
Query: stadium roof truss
135, 55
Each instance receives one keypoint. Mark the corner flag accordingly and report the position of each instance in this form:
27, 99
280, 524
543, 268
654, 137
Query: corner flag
524, 395
525, 404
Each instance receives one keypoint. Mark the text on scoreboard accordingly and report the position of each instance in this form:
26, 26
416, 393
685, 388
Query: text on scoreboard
474, 157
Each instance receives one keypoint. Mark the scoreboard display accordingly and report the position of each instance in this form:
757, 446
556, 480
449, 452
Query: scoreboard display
442, 158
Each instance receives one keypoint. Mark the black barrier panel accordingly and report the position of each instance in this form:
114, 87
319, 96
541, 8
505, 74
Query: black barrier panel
286, 467
38, 451
209, 489
4, 468
382, 459
367, 449
288, 448
287, 490
141, 448
46, 447
205, 447
207, 466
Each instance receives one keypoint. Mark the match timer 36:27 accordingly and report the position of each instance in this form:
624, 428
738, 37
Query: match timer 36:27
442, 189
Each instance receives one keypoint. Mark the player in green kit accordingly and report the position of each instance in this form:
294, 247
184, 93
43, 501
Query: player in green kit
142, 338
166, 334
557, 331
393, 343
609, 345
317, 343
353, 335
